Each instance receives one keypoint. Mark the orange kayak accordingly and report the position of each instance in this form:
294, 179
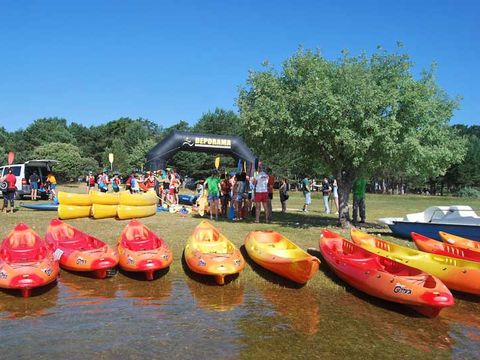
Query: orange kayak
81, 251
276, 253
384, 278
437, 247
26, 261
141, 250
460, 241
208, 252
457, 274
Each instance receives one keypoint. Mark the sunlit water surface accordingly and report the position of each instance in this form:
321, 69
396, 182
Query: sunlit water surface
179, 317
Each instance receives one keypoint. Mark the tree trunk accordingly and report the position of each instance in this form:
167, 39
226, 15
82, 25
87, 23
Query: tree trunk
345, 184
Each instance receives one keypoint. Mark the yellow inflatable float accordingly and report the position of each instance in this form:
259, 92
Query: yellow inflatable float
138, 199
98, 197
73, 211
65, 198
131, 212
100, 211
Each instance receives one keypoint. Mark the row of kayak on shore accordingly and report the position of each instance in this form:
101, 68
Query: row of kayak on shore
28, 261
377, 267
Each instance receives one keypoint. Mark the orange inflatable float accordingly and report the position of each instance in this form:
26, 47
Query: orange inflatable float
26, 261
80, 251
141, 250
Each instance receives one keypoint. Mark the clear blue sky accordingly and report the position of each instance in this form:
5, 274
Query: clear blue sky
93, 61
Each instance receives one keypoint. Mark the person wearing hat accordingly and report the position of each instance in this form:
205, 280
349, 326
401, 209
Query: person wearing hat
9, 193
213, 186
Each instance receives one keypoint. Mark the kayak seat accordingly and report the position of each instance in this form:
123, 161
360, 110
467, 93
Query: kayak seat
27, 254
142, 244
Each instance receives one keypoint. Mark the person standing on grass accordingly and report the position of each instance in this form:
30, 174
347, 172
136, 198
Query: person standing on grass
335, 195
306, 188
213, 186
283, 194
34, 179
326, 189
52, 184
9, 192
359, 187
90, 180
261, 196
271, 181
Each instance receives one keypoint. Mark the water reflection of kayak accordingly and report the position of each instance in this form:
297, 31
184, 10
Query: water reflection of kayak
134, 287
216, 298
304, 318
39, 305
86, 288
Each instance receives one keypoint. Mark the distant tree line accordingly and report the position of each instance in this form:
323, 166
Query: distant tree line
356, 116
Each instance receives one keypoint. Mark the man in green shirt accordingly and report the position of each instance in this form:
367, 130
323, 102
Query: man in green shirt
213, 185
359, 187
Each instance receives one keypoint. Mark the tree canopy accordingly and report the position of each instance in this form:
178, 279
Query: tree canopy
354, 116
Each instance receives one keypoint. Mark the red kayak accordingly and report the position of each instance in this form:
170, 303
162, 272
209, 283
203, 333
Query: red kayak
26, 261
80, 251
141, 250
437, 247
384, 278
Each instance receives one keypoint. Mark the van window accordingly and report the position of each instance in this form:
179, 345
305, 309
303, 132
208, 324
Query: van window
16, 170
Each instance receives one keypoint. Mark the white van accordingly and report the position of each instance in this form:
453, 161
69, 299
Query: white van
23, 172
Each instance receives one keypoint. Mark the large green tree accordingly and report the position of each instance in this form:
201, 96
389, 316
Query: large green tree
71, 163
355, 116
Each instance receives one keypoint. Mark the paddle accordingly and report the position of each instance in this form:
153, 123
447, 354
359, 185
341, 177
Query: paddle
11, 157
110, 159
217, 162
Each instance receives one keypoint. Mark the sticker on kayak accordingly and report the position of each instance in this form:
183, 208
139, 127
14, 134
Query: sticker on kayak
57, 254
402, 289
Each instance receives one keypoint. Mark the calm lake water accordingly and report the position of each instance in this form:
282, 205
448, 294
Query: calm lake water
177, 317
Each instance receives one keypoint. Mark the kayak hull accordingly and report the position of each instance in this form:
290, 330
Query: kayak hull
141, 250
208, 252
26, 261
457, 274
40, 207
80, 251
426, 244
460, 241
383, 278
276, 253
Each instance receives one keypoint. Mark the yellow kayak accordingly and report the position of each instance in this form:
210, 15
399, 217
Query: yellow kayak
66, 198
73, 211
138, 199
460, 242
278, 254
98, 197
457, 274
209, 252
132, 212
100, 211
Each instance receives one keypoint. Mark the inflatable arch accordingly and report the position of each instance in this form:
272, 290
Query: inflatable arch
208, 143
